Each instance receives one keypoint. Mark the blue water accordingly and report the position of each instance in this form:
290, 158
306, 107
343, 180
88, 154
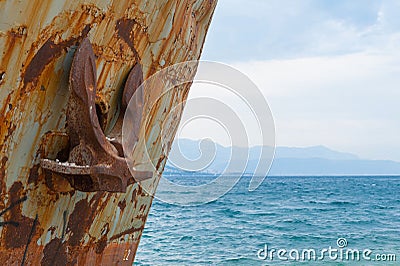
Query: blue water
283, 213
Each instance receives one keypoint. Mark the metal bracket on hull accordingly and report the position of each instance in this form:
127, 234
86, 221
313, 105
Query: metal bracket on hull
96, 162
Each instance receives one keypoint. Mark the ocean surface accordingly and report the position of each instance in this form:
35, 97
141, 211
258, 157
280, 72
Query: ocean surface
289, 213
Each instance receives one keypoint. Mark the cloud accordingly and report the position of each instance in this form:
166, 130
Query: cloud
258, 29
347, 102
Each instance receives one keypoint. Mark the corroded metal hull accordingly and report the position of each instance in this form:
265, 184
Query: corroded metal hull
43, 220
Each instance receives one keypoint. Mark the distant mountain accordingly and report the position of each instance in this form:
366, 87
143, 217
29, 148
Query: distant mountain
313, 152
208, 157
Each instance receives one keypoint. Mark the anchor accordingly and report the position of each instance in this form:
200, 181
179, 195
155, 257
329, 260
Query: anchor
96, 162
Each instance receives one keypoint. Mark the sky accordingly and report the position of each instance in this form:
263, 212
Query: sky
330, 70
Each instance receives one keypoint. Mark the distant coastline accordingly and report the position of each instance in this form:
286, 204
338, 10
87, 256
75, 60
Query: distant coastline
288, 161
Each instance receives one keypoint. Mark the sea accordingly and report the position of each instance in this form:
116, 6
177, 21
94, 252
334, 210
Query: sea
340, 220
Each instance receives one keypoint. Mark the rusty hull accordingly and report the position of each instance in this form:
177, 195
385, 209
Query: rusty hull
43, 220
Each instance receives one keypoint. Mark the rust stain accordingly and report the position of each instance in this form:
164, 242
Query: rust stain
14, 36
33, 174
6, 128
124, 28
134, 194
19, 31
47, 53
127, 232
79, 221
2, 167
122, 205
3, 163
18, 227
101, 244
81, 218
55, 253
159, 163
